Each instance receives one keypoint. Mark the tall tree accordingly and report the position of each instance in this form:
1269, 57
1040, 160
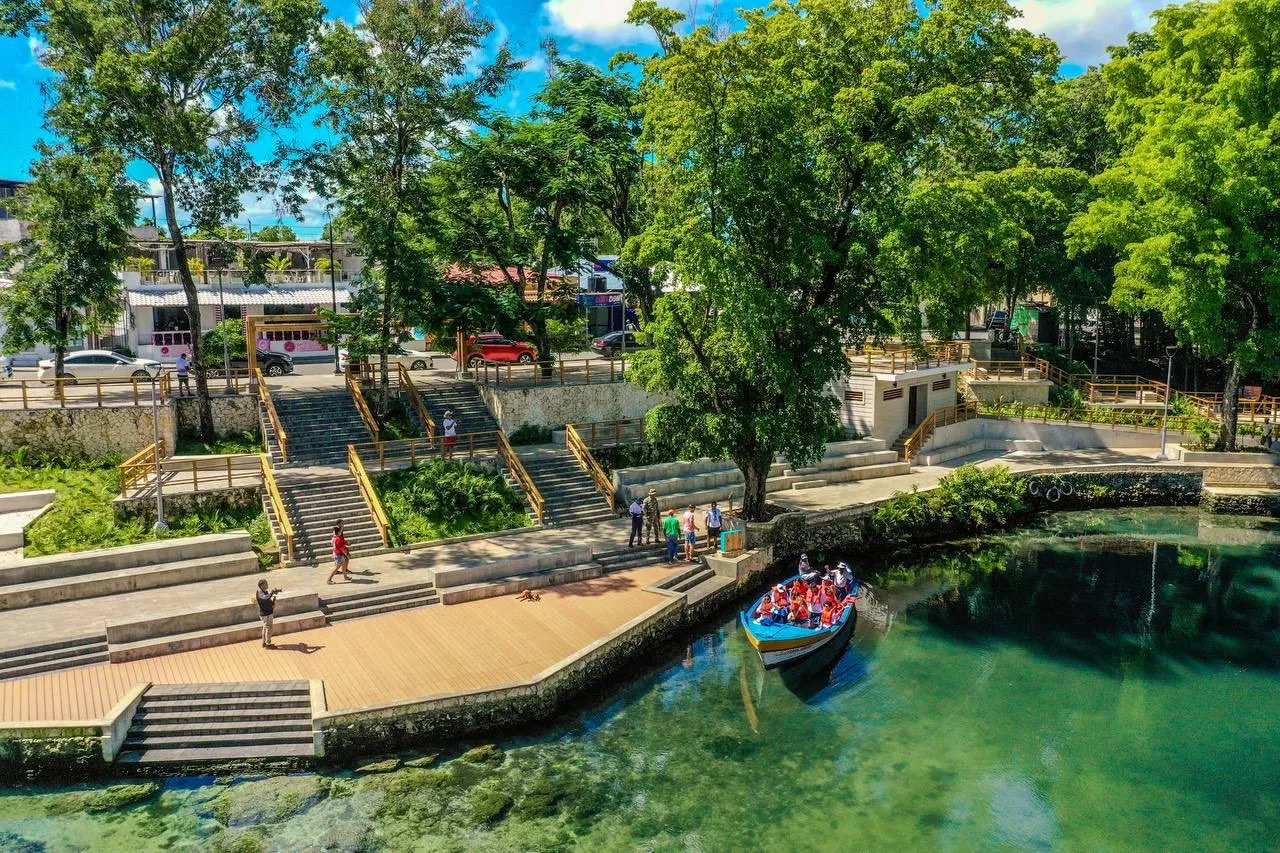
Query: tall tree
183, 87
1193, 204
65, 280
786, 153
276, 234
396, 90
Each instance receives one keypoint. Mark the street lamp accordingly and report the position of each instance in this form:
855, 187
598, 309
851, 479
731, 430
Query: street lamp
153, 371
333, 290
226, 352
1168, 386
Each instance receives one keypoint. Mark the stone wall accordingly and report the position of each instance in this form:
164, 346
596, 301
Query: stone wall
179, 504
84, 433
1256, 503
1032, 392
231, 415
557, 405
60, 752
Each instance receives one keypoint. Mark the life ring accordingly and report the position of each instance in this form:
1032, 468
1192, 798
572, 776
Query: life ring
1067, 489
1033, 488
1053, 495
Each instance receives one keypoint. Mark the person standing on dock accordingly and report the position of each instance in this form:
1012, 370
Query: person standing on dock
652, 518
266, 601
690, 526
636, 510
671, 527
714, 521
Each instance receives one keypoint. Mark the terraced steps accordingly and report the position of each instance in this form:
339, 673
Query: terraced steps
569, 493
379, 599
51, 657
193, 723
463, 400
319, 422
314, 505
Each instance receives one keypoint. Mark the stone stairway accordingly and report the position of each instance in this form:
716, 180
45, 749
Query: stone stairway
463, 400
624, 558
381, 599
49, 657
569, 494
314, 503
181, 723
319, 422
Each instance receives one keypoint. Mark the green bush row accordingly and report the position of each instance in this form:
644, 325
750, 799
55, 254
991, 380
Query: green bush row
971, 500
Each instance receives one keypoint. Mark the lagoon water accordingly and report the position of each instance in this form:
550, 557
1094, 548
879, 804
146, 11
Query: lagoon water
1102, 681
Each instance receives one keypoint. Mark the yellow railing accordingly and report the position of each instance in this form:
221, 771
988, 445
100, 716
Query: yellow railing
600, 433
141, 465
536, 503
264, 394
582, 453
357, 397
277, 504
586, 371
406, 384
409, 451
935, 419
356, 467
201, 472
61, 393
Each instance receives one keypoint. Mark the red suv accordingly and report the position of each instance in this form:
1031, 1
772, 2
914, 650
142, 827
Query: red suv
497, 348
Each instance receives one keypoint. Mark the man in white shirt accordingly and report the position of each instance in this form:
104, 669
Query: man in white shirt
714, 521
636, 511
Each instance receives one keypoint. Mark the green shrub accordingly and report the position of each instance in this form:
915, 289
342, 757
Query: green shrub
971, 500
244, 442
443, 498
1059, 359
1067, 397
530, 434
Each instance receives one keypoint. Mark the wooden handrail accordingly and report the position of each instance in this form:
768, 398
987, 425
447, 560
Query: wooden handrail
406, 383
939, 417
584, 371
264, 394
357, 397
517, 470
356, 467
617, 431
588, 462
27, 392
413, 450
141, 464
277, 504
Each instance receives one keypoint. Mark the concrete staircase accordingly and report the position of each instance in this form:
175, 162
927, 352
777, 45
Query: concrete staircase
461, 398
320, 423
380, 599
188, 723
314, 503
621, 559
50, 657
569, 493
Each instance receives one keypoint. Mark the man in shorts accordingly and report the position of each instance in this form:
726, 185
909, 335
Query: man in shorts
183, 369
714, 521
450, 427
690, 532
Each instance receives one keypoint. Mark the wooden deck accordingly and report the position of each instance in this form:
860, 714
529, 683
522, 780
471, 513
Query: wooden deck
372, 661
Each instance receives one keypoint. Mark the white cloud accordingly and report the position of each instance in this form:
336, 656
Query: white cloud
1084, 29
8, 84
36, 47
601, 22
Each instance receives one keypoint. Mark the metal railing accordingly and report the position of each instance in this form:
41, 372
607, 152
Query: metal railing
604, 433
356, 467
409, 451
581, 452
67, 392
586, 371
357, 397
516, 467
406, 384
277, 505
939, 417
1114, 417
264, 394
140, 465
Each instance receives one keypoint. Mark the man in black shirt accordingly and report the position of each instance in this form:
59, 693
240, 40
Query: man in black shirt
266, 607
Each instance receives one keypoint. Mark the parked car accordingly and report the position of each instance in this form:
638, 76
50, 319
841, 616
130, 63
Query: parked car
270, 363
611, 344
97, 364
411, 359
490, 348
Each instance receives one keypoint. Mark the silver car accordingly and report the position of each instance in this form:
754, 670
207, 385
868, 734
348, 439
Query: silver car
98, 364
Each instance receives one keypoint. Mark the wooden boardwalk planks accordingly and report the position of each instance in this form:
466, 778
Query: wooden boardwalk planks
394, 656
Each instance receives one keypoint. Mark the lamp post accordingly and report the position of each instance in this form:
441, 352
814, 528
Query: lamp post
226, 352
333, 290
153, 371
1168, 386
1097, 333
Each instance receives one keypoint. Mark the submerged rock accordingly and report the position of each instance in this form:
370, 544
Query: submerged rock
487, 754
266, 801
487, 805
107, 800
424, 761
382, 765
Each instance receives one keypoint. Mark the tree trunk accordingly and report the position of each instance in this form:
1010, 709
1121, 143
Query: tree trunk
1230, 415
542, 340
204, 408
60, 346
755, 470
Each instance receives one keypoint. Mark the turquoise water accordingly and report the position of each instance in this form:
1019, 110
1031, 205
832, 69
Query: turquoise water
1044, 690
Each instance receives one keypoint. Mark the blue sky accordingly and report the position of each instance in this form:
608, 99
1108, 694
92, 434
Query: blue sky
591, 30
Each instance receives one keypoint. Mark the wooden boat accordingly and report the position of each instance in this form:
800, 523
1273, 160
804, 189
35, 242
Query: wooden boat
787, 645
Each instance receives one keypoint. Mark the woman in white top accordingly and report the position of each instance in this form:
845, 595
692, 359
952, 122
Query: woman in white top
450, 434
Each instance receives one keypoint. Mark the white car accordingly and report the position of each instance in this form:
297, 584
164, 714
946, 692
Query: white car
98, 364
410, 359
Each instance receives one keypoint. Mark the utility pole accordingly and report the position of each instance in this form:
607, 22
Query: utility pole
226, 352
1164, 424
333, 290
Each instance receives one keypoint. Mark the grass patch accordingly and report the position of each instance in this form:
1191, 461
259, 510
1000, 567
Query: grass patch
244, 442
444, 498
82, 519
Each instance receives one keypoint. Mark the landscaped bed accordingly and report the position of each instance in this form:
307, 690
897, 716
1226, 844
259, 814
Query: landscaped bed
82, 517
446, 498
243, 442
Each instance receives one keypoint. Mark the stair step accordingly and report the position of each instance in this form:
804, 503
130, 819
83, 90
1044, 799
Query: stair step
202, 717
228, 689
332, 606
183, 704
375, 608
209, 637
85, 658
692, 581
60, 645
208, 754
149, 730
189, 740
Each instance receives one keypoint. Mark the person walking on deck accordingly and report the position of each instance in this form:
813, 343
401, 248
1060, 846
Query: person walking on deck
636, 510
266, 601
671, 527
1268, 434
652, 518
341, 554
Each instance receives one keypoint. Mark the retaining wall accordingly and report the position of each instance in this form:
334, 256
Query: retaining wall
184, 503
1054, 436
1030, 391
232, 415
84, 433
557, 405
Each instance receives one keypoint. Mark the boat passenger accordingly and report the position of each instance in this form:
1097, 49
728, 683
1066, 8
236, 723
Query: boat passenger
843, 579
829, 616
780, 613
764, 613
799, 613
804, 565
815, 607
780, 595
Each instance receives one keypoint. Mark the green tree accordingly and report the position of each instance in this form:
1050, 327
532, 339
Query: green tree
1190, 205
785, 154
395, 89
276, 234
185, 88
80, 206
